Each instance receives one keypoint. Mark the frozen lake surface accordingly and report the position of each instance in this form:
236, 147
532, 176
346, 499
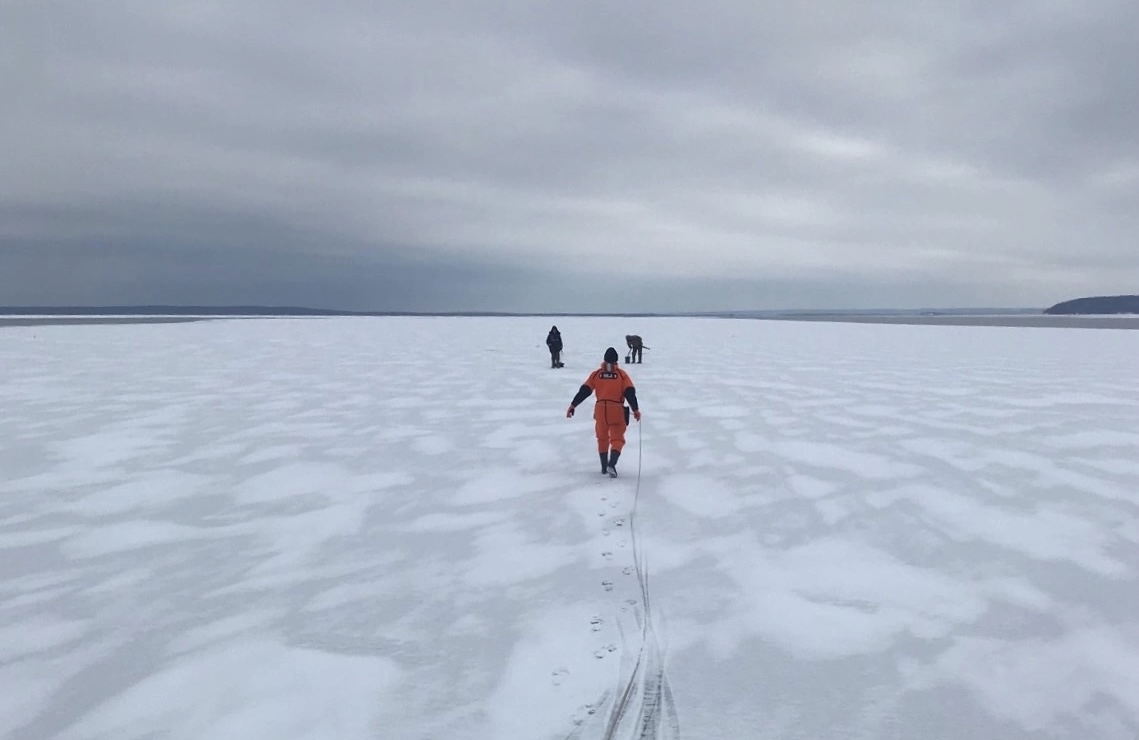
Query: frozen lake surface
387, 528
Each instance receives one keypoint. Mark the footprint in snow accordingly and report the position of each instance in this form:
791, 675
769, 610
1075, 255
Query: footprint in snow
602, 652
608, 585
595, 624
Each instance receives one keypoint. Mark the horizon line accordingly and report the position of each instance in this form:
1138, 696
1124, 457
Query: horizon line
289, 310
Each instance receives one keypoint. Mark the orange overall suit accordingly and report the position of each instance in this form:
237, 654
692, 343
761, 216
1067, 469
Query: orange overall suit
613, 387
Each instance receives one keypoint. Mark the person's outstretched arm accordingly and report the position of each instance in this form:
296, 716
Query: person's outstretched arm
582, 394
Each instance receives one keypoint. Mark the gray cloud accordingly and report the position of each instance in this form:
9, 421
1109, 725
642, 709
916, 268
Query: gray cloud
569, 156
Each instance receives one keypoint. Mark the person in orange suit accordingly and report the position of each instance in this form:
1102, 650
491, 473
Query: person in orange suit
613, 388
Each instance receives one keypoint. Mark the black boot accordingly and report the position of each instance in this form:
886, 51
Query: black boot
613, 455
604, 462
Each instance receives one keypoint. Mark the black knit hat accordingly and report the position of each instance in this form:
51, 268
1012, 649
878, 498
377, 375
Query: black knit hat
610, 355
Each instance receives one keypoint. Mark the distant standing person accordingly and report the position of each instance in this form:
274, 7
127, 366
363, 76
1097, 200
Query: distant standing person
636, 348
613, 387
554, 342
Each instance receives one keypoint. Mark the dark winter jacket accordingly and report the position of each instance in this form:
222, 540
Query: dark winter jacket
554, 340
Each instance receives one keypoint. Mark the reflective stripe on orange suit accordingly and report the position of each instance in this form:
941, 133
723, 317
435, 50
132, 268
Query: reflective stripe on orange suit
608, 384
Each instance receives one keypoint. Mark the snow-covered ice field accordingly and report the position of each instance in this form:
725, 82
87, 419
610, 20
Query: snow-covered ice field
387, 528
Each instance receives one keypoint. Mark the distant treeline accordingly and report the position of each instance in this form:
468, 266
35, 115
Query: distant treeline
1097, 305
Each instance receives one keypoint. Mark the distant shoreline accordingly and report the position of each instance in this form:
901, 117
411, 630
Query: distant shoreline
977, 320
81, 320
151, 311
1030, 321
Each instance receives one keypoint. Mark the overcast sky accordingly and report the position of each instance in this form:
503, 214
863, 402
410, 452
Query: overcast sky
584, 155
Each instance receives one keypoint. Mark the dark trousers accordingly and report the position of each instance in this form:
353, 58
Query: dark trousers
635, 354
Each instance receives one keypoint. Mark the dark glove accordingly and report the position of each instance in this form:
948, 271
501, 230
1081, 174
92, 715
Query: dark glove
637, 414
569, 412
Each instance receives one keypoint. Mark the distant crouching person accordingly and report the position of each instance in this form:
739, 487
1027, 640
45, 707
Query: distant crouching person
636, 348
